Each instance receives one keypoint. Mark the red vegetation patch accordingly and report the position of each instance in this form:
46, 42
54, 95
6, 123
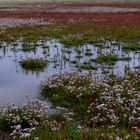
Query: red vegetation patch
41, 11
65, 17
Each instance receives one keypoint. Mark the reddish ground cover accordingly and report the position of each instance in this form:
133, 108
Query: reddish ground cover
47, 12
64, 17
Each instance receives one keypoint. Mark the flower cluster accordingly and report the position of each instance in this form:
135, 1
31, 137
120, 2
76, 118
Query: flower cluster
112, 103
21, 122
117, 104
74, 83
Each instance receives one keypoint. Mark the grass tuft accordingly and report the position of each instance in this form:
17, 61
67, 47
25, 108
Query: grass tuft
33, 64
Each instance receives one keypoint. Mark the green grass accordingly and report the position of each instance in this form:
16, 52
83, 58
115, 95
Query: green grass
73, 34
109, 58
87, 67
64, 99
33, 64
69, 132
132, 47
72, 133
27, 48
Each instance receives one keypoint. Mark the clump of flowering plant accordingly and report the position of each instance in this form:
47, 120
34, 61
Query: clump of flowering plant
71, 83
22, 121
111, 103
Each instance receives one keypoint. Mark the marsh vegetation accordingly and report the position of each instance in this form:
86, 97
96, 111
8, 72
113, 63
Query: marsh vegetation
33, 64
92, 82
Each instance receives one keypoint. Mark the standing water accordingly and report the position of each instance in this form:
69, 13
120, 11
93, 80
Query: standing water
16, 83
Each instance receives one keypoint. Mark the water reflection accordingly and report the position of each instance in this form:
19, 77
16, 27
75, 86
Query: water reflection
16, 83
